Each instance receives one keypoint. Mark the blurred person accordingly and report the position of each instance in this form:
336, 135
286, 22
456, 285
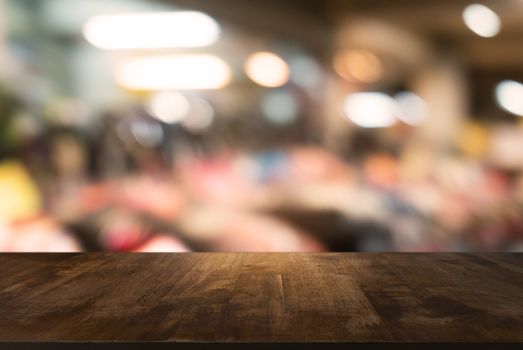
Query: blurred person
220, 229
23, 225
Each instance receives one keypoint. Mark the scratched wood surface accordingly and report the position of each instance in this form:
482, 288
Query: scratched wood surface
261, 297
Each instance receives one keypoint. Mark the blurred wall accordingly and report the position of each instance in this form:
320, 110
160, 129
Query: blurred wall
3, 28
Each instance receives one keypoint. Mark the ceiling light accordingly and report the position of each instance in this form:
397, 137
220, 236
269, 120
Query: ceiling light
176, 72
152, 30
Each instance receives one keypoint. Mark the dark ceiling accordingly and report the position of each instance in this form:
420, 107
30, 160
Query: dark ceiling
314, 22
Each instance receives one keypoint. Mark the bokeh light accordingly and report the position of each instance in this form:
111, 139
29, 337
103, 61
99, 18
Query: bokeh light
267, 69
413, 109
168, 106
482, 20
359, 65
201, 115
280, 107
371, 109
509, 95
306, 72
147, 134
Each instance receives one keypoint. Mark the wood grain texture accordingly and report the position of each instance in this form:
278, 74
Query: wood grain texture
261, 297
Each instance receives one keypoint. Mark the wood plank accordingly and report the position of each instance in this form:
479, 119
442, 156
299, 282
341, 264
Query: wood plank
260, 298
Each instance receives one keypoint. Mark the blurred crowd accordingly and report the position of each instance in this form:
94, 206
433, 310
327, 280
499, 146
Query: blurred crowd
115, 187
144, 126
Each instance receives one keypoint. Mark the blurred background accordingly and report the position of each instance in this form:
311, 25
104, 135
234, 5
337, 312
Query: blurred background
356, 125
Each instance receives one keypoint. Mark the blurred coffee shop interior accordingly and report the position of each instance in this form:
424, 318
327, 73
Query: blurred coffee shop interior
274, 125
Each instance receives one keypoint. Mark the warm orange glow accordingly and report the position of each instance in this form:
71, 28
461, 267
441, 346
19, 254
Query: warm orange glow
361, 66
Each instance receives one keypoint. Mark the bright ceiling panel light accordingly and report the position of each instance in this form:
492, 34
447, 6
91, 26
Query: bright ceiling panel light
482, 20
267, 69
152, 30
174, 72
371, 109
509, 95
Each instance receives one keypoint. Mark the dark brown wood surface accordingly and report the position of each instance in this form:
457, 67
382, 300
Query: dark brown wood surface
261, 297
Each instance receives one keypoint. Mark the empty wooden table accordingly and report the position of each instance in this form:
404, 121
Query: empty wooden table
273, 300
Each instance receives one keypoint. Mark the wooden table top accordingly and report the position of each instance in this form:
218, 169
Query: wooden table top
273, 297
